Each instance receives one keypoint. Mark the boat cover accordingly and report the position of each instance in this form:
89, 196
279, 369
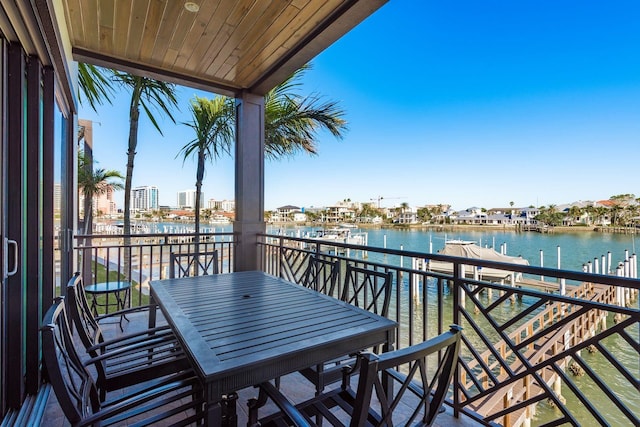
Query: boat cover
471, 250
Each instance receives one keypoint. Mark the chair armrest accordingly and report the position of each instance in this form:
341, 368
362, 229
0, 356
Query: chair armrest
287, 408
157, 341
134, 338
124, 311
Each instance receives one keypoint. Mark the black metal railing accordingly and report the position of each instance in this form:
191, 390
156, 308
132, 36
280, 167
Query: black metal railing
106, 257
562, 350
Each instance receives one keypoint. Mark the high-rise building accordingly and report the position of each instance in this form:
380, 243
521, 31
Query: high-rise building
221, 205
187, 199
144, 198
104, 204
57, 196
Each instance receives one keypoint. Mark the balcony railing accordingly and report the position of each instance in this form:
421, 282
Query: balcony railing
105, 257
531, 353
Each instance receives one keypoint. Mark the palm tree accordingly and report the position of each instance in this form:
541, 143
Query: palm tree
601, 213
575, 212
213, 124
291, 125
94, 84
590, 210
150, 94
94, 183
292, 121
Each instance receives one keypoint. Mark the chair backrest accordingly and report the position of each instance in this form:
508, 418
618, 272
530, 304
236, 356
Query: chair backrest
80, 313
193, 264
368, 289
74, 387
419, 378
321, 275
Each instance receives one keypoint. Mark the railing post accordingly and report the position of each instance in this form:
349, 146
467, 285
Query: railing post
280, 255
458, 294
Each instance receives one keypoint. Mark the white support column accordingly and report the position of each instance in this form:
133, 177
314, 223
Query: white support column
249, 185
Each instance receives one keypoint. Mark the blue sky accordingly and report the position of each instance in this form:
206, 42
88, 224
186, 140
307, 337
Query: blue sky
461, 102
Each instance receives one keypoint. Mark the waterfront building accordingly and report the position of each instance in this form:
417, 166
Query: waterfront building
404, 215
104, 204
144, 199
221, 205
339, 213
187, 199
288, 213
57, 196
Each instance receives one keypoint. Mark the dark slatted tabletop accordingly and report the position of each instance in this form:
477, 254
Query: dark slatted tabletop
240, 329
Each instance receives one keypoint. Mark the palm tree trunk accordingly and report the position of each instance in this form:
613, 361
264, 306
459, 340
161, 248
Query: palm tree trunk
134, 114
199, 178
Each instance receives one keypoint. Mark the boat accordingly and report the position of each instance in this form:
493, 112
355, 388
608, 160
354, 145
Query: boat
347, 225
469, 249
339, 235
219, 219
136, 228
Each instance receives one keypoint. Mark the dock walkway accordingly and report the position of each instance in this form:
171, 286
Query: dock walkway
541, 339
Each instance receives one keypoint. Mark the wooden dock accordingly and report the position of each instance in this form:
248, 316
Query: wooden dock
537, 228
545, 343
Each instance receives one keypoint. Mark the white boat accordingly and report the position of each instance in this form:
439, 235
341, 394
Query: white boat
340, 235
459, 242
347, 225
469, 249
219, 219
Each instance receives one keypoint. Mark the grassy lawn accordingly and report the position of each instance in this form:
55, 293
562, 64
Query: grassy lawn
137, 298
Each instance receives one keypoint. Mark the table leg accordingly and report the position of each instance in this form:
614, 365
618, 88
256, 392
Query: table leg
223, 413
229, 414
94, 305
213, 415
152, 312
121, 305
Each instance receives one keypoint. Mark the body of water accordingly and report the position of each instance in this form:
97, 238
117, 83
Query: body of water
576, 249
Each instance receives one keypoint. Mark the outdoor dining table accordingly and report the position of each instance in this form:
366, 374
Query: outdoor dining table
244, 328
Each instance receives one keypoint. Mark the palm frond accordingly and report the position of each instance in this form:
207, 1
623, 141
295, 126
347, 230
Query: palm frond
151, 95
94, 85
292, 122
213, 123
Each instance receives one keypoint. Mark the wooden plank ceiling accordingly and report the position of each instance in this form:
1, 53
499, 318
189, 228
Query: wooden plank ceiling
224, 46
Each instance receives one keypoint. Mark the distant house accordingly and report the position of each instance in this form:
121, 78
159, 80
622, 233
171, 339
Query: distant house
339, 213
406, 217
528, 215
288, 213
511, 212
498, 219
583, 218
473, 215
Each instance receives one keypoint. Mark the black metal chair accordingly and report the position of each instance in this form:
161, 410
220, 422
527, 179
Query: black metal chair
193, 264
127, 359
321, 275
402, 387
176, 398
365, 288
